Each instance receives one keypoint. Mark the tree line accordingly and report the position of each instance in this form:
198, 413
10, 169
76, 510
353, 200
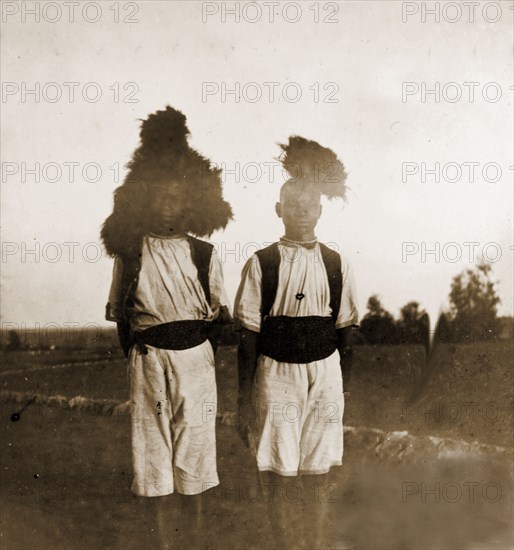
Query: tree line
471, 315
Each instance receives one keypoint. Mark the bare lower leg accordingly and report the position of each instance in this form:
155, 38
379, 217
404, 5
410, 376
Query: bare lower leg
315, 508
193, 529
284, 507
163, 509
147, 517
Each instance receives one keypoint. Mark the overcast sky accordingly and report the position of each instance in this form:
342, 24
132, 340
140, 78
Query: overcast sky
354, 84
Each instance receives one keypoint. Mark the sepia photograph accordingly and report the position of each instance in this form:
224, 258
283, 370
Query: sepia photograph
257, 275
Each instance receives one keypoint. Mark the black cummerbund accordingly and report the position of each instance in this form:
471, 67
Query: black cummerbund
177, 335
298, 339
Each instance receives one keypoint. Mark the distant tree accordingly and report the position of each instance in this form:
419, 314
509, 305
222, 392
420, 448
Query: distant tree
378, 326
13, 341
375, 308
473, 305
412, 326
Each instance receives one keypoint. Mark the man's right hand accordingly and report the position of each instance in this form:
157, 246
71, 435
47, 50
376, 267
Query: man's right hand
245, 416
247, 364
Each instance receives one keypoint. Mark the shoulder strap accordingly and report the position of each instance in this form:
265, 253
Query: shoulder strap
269, 259
201, 253
332, 261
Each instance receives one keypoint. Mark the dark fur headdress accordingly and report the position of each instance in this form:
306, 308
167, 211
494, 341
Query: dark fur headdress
163, 157
307, 162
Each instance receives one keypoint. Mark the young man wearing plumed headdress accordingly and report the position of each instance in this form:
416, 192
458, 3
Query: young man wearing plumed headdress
295, 309
168, 300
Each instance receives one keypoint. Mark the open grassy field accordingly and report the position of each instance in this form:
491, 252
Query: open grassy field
470, 396
65, 474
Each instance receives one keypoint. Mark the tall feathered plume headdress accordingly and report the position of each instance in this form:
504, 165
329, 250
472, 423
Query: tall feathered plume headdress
309, 163
164, 157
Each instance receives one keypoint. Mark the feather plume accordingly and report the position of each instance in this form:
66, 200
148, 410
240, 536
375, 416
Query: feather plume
308, 161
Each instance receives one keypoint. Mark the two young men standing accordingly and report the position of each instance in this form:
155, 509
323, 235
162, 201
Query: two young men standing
294, 309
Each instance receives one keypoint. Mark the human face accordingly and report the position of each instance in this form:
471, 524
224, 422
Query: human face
169, 213
300, 209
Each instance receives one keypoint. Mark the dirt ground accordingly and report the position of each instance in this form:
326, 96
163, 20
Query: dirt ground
65, 475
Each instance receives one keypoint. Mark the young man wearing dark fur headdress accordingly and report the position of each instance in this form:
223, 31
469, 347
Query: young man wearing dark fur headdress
295, 308
168, 300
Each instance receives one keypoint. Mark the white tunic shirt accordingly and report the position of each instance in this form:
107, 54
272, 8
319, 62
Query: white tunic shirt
301, 271
168, 288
